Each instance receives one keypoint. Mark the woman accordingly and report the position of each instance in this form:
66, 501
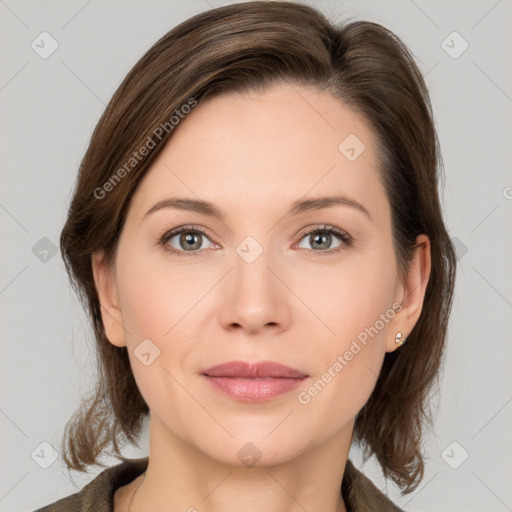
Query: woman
256, 231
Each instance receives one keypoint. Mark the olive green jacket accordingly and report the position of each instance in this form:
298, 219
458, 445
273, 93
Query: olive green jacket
359, 493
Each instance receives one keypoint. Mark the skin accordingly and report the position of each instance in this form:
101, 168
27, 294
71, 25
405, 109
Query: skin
252, 155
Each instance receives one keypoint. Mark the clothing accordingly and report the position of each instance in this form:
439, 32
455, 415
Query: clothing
359, 493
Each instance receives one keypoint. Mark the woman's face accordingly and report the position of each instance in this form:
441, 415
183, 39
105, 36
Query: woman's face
259, 283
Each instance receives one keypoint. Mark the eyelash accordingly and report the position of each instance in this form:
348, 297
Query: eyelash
344, 237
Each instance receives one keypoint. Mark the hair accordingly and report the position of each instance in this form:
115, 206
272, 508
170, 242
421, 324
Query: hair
249, 47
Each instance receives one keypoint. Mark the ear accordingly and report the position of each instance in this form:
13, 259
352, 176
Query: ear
411, 292
104, 279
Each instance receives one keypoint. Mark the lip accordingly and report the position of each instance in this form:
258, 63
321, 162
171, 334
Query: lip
256, 382
245, 370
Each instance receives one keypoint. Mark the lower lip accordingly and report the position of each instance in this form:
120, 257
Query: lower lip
254, 390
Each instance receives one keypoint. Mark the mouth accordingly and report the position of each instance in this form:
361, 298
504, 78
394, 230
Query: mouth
257, 382
264, 370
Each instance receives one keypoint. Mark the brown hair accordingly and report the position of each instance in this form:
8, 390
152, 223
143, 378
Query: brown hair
250, 46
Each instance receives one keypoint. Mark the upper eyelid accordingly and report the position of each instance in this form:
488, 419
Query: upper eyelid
322, 227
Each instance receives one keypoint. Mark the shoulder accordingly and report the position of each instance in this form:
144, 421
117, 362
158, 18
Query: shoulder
361, 494
98, 495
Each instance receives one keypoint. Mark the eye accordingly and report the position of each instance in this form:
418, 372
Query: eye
185, 241
191, 240
321, 239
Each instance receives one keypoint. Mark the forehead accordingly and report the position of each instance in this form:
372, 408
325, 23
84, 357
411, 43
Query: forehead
253, 149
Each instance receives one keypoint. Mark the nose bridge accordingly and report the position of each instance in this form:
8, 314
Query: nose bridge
256, 297
252, 276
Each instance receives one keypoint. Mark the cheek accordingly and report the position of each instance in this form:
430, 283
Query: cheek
348, 297
159, 307
355, 305
156, 295
162, 303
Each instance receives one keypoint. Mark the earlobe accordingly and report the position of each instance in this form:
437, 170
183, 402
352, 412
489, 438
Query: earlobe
106, 288
413, 294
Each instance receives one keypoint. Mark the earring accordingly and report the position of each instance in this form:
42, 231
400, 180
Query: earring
398, 339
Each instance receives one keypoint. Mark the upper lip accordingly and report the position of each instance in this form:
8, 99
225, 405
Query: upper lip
246, 370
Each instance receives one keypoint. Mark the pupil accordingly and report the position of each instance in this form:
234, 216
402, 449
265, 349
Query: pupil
323, 240
189, 238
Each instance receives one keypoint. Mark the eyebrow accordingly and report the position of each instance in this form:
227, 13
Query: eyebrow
298, 207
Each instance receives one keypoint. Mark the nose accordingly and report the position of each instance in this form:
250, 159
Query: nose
256, 299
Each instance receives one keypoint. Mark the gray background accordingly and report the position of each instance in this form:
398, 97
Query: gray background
49, 108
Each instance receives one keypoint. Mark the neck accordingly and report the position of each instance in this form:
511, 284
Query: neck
182, 477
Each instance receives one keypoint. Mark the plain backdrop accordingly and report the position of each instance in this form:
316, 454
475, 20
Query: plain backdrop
48, 109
